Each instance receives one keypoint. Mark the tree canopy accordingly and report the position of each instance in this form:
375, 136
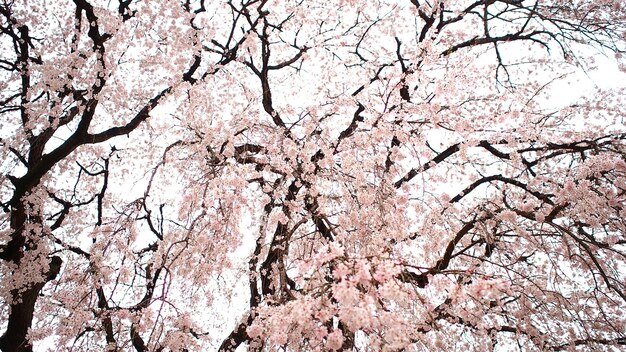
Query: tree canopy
306, 175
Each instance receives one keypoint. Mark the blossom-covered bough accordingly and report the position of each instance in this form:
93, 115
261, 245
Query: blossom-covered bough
311, 175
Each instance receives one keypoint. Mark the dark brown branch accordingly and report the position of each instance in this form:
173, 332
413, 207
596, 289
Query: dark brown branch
436, 160
352, 127
487, 179
493, 40
237, 336
421, 280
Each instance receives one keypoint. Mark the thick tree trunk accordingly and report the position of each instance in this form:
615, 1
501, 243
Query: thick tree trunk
22, 307
21, 313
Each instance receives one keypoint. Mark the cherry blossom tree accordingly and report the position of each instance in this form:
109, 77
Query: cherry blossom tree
311, 175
